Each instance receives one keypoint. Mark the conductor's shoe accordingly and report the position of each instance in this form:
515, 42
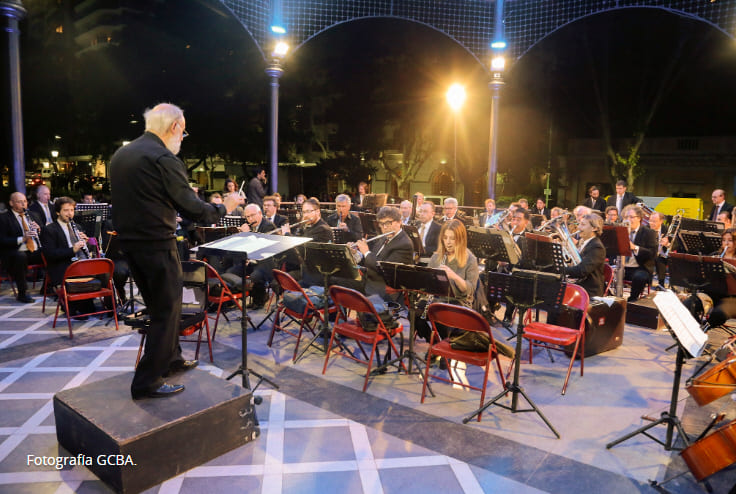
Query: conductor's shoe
182, 366
161, 392
25, 298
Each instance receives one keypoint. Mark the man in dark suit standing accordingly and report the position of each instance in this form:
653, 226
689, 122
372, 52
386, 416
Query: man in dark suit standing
589, 272
43, 206
149, 185
643, 242
19, 247
719, 204
343, 219
396, 247
270, 211
622, 198
257, 188
595, 201
429, 230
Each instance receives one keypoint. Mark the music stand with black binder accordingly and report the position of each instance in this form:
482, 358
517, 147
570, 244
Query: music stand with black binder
542, 253
690, 341
702, 243
415, 280
330, 261
525, 289
369, 223
616, 240
256, 247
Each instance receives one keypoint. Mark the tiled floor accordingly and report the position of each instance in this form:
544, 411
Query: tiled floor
322, 434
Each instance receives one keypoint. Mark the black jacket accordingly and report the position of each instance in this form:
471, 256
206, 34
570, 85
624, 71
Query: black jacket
149, 185
726, 207
589, 273
10, 230
432, 238
646, 240
628, 198
278, 220
319, 232
599, 204
38, 209
397, 249
256, 191
355, 228
57, 251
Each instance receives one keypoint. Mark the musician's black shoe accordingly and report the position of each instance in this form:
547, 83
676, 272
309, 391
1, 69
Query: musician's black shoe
182, 366
24, 298
163, 391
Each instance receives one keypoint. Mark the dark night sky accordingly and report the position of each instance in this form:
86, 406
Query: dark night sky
199, 58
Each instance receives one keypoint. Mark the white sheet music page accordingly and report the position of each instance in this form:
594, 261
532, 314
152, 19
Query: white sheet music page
683, 324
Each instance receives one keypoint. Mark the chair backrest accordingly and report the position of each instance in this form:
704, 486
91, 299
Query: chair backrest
349, 299
195, 288
286, 281
212, 274
90, 267
577, 298
607, 276
457, 316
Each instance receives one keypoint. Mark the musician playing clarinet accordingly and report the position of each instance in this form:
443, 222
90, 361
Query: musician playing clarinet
461, 267
345, 220
589, 272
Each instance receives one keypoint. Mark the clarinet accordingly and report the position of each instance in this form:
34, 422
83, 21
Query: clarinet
32, 231
84, 247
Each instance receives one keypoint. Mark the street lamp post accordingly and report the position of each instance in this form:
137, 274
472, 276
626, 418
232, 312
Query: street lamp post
274, 71
455, 98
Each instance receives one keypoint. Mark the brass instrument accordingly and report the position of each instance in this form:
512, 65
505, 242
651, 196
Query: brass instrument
497, 219
647, 212
84, 247
673, 230
559, 231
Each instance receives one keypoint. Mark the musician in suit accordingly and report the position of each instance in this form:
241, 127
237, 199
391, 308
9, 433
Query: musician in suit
541, 208
429, 230
484, 219
19, 244
396, 247
719, 204
254, 221
594, 200
589, 272
656, 224
612, 216
315, 227
62, 245
405, 209
520, 224
270, 211
343, 219
643, 242
43, 206
622, 198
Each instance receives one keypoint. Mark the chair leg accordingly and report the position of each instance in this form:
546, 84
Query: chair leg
209, 340
370, 364
140, 349
276, 324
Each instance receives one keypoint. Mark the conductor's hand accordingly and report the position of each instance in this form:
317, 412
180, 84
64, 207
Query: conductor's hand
231, 202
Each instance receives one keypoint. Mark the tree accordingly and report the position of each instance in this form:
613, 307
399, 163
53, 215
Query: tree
416, 145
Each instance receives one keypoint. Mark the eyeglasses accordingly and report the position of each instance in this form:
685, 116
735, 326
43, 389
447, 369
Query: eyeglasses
307, 211
184, 133
386, 224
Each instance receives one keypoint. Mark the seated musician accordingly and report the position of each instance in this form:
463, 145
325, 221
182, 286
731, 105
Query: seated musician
314, 226
449, 210
461, 267
541, 208
725, 218
520, 224
254, 221
725, 307
394, 247
405, 208
488, 218
589, 272
643, 242
612, 215
19, 242
429, 230
555, 212
62, 245
656, 220
343, 219
270, 211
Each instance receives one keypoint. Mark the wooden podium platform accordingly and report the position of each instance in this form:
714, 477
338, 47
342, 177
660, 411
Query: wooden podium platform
134, 445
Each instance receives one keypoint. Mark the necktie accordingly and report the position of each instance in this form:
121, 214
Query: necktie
421, 233
30, 244
619, 201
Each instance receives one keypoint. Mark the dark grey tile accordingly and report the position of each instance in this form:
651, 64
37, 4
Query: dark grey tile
438, 478
318, 444
208, 485
16, 412
321, 482
40, 382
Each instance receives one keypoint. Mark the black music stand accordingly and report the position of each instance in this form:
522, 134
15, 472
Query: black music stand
494, 246
414, 280
416, 241
373, 202
524, 289
541, 253
690, 341
369, 223
330, 261
703, 243
232, 221
616, 240
695, 225
256, 247
91, 217
338, 235
698, 273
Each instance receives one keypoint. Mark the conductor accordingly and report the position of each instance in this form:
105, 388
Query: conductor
149, 185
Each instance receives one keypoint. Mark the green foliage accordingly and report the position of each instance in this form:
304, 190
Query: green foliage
350, 168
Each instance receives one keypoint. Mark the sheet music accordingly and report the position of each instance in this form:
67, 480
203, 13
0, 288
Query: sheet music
683, 324
244, 244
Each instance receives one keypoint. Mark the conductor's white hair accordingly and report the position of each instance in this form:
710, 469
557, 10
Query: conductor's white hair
161, 117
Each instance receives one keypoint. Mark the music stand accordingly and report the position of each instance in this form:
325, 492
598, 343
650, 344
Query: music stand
369, 223
525, 289
416, 240
338, 235
690, 341
695, 225
542, 253
232, 221
91, 216
615, 239
414, 280
330, 261
257, 247
374, 201
703, 243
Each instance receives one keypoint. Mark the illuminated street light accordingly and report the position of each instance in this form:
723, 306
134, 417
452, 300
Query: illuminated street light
455, 98
54, 154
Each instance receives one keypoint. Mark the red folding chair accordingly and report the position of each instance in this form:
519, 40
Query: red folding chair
465, 319
556, 337
226, 295
79, 284
347, 300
